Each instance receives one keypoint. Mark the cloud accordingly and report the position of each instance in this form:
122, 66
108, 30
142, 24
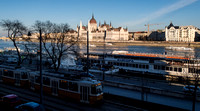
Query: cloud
162, 11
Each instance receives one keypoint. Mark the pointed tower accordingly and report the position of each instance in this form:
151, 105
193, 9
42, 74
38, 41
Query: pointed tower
110, 24
99, 23
80, 25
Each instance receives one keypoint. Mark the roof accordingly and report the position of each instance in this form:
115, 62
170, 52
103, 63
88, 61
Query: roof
11, 96
93, 20
171, 25
31, 104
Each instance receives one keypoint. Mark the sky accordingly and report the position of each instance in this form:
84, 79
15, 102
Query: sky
133, 14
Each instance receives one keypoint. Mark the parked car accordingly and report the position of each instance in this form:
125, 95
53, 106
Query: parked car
190, 89
10, 101
30, 106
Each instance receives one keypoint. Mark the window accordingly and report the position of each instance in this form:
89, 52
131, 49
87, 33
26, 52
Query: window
46, 81
5, 72
179, 69
163, 67
143, 66
175, 69
10, 74
63, 84
140, 66
73, 86
147, 66
159, 68
93, 90
136, 65
155, 67
171, 69
37, 79
24, 75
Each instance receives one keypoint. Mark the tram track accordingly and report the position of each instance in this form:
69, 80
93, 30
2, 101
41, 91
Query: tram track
56, 104
26, 95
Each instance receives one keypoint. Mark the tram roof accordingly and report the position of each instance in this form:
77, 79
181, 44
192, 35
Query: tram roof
67, 76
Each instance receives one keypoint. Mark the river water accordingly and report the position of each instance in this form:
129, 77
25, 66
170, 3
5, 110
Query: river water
131, 49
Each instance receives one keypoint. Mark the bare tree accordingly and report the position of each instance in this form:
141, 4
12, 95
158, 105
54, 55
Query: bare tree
56, 40
15, 30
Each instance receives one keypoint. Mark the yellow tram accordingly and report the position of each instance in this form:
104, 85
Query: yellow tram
69, 86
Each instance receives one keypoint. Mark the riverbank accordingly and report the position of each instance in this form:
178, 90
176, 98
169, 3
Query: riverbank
151, 43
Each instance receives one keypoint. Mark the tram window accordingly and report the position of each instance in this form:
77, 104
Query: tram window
167, 68
133, 65
63, 84
175, 69
46, 81
1, 72
147, 66
37, 79
5, 72
179, 69
24, 75
73, 86
10, 74
93, 90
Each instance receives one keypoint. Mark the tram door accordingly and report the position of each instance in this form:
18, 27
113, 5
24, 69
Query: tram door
17, 78
84, 94
32, 82
1, 74
54, 87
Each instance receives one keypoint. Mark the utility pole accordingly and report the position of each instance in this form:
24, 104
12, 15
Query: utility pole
87, 53
104, 56
41, 79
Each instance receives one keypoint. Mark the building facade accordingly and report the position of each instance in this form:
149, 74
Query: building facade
97, 32
182, 33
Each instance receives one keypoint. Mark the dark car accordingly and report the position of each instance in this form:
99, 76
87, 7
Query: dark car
30, 106
10, 101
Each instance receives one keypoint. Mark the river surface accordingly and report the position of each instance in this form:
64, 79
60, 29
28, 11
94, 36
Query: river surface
131, 49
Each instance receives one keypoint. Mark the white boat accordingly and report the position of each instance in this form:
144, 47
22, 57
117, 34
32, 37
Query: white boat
179, 48
109, 44
110, 71
92, 45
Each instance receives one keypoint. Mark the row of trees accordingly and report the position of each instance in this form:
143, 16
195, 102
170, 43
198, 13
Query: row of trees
55, 39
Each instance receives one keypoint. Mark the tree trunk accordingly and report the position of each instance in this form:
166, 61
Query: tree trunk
18, 53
